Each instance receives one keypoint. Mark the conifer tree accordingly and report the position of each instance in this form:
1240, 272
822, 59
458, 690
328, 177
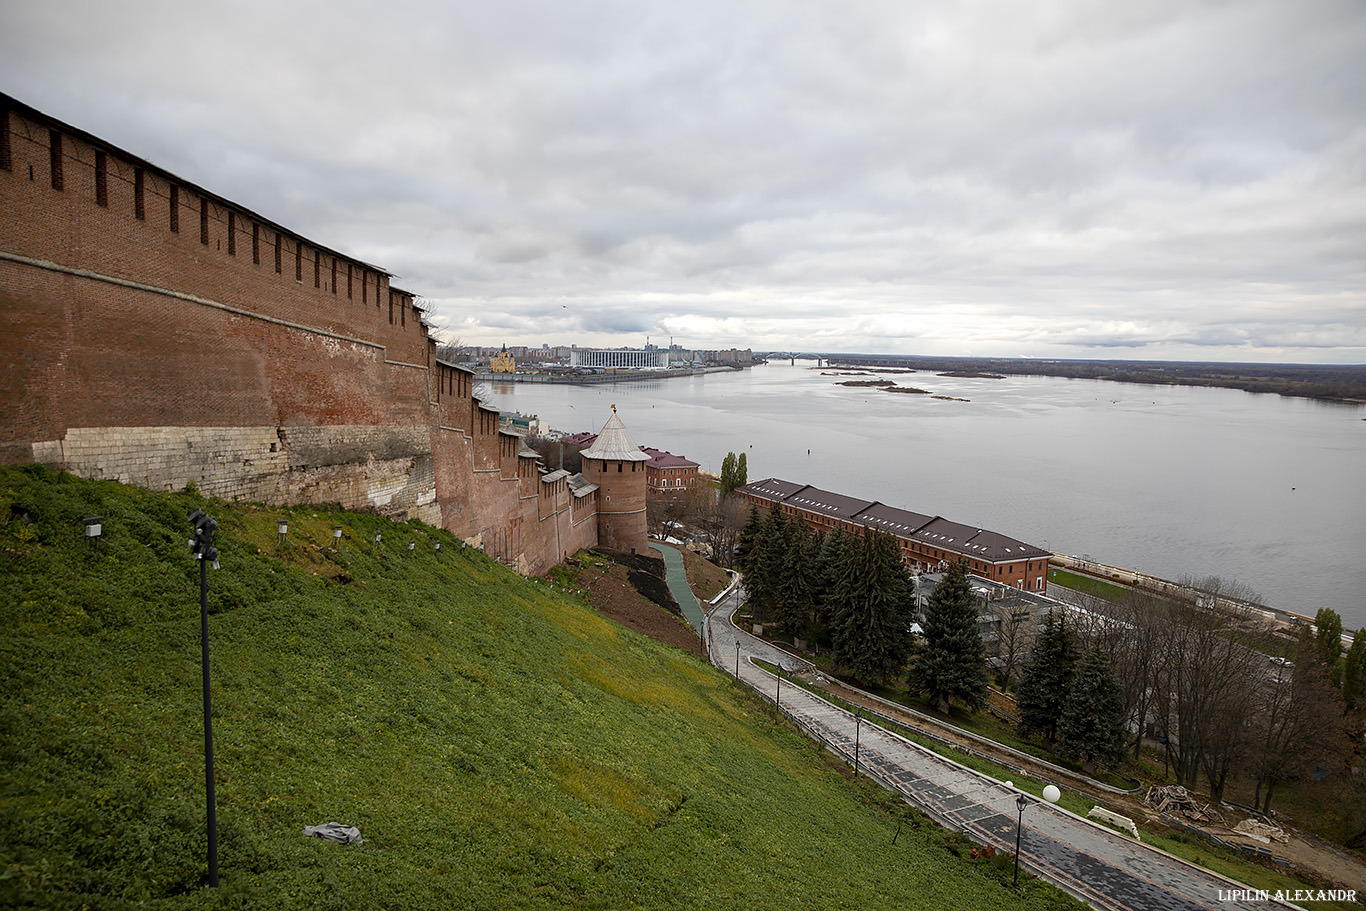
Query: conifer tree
1047, 679
747, 549
871, 607
1354, 674
1091, 730
951, 663
798, 580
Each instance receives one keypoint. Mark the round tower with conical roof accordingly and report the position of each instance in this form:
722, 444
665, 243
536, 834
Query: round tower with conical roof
617, 466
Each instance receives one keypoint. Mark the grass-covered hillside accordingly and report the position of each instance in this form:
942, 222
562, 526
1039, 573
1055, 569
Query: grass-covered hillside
501, 745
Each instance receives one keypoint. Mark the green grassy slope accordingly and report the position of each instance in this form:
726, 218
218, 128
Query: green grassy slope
501, 745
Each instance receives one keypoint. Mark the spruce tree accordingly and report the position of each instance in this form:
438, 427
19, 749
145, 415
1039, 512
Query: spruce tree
1091, 730
951, 662
747, 549
871, 607
1047, 679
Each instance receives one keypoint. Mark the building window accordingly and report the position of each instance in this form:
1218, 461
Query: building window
348, 281
54, 140
139, 194
175, 209
102, 179
232, 233
255, 244
279, 250
364, 289
317, 269
334, 275
391, 306
204, 220
298, 262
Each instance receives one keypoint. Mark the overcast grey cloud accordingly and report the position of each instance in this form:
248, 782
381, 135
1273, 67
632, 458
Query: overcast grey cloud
1076, 178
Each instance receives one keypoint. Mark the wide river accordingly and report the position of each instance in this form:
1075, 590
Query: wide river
1174, 481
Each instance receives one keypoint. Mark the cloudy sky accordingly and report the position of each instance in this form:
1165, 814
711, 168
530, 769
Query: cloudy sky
1070, 178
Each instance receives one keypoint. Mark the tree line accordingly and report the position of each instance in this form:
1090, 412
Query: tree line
1193, 677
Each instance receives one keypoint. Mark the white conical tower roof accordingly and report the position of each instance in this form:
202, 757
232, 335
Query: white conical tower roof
614, 444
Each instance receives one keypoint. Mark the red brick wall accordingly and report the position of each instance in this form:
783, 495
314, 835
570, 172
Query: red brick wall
114, 321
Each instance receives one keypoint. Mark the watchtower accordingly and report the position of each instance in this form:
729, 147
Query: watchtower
617, 466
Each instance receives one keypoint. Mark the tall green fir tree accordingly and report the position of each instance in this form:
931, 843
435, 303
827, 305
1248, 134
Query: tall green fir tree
871, 607
950, 663
747, 549
1047, 679
1091, 730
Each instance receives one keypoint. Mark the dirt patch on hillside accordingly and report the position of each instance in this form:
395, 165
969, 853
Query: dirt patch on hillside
630, 589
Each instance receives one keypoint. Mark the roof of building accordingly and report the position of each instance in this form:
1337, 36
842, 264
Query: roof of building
934, 531
660, 458
614, 444
580, 486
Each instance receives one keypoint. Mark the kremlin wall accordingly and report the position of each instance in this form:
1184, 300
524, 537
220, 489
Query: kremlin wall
158, 334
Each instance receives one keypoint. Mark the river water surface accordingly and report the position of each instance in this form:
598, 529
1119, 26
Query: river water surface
1174, 481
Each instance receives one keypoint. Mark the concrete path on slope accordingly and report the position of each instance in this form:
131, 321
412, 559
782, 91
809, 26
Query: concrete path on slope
1103, 868
676, 577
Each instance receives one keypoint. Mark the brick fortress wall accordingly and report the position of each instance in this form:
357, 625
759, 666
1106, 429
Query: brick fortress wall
157, 334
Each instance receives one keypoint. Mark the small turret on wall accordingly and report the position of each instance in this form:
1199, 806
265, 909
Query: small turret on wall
617, 466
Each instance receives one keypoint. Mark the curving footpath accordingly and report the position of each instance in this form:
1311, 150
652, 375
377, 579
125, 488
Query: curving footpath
1103, 868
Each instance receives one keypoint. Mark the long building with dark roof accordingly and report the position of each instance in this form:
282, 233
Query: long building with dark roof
927, 542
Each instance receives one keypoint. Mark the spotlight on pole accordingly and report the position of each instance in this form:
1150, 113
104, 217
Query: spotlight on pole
283, 528
336, 532
93, 529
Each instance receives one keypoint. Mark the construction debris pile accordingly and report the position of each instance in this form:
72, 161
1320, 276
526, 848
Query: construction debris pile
1261, 831
1176, 799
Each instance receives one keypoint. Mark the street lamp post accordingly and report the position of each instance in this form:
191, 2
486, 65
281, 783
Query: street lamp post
202, 546
737, 658
858, 727
1050, 794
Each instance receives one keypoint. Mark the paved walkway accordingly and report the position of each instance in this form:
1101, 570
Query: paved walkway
1103, 868
675, 576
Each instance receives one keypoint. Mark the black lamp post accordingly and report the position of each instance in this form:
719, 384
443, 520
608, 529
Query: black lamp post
1020, 802
858, 727
737, 658
1050, 794
202, 547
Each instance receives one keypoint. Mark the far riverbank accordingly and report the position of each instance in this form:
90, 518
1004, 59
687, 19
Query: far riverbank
588, 379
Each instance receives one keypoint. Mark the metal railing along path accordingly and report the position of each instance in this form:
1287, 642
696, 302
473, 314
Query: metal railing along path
1101, 867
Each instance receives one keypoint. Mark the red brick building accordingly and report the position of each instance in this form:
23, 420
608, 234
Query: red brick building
926, 541
157, 334
667, 473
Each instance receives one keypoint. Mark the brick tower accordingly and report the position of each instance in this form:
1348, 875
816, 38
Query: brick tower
617, 466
